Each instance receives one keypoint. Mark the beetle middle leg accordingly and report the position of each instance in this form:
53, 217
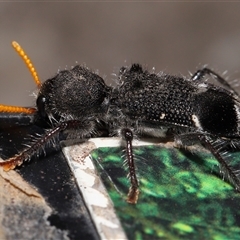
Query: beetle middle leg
134, 188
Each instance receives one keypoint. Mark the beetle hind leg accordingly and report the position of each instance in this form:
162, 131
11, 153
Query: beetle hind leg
200, 74
226, 170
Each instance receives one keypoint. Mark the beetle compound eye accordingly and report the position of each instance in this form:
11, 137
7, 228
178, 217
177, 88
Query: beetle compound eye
41, 101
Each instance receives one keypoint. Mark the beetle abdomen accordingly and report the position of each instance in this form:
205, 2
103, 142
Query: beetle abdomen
216, 111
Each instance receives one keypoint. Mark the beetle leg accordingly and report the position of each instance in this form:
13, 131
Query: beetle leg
200, 74
39, 144
133, 190
225, 168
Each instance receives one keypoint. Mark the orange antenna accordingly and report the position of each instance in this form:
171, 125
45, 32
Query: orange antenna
13, 109
28, 62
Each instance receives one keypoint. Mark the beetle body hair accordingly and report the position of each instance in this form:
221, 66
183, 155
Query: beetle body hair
143, 103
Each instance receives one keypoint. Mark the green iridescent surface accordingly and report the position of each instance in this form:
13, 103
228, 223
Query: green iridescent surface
182, 195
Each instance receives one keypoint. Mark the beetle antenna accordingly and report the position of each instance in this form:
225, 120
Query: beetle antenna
28, 62
14, 109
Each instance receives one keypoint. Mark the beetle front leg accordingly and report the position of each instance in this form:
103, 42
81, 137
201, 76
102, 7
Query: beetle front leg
40, 143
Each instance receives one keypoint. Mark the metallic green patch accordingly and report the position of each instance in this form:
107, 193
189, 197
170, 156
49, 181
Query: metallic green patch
182, 195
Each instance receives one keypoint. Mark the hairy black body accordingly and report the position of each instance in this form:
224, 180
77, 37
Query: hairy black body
142, 103
156, 100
